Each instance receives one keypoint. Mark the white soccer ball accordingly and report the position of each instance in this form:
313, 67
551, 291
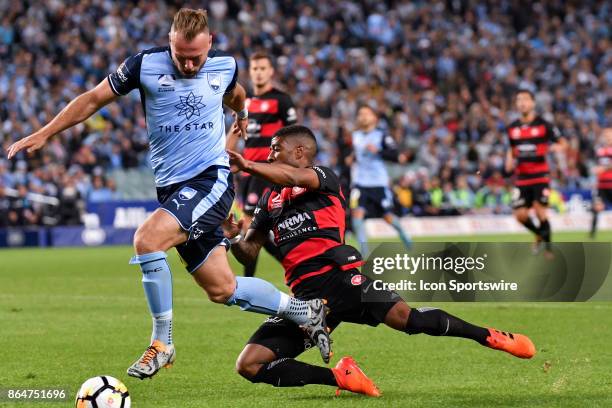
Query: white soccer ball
103, 391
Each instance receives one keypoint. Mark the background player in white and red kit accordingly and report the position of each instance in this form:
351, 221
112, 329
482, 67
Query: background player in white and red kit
269, 110
530, 138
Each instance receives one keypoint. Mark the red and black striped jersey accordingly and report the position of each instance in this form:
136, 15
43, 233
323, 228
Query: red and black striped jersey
530, 143
308, 227
604, 160
267, 114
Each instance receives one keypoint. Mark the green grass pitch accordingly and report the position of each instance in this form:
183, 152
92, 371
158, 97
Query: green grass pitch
70, 314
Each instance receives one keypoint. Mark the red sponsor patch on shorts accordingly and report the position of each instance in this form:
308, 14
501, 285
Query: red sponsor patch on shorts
357, 280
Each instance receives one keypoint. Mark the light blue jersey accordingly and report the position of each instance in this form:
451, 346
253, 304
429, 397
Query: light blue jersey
368, 168
185, 119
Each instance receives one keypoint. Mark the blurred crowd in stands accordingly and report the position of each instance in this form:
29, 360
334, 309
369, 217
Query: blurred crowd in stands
441, 74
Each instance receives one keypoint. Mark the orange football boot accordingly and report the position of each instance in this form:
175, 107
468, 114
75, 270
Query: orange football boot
516, 344
350, 377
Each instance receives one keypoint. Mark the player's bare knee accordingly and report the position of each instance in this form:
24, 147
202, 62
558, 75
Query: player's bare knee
397, 317
541, 213
219, 293
143, 244
358, 213
388, 218
521, 215
247, 369
150, 238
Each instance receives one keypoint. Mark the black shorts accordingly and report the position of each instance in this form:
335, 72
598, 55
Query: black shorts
200, 205
250, 190
524, 196
376, 201
345, 292
605, 196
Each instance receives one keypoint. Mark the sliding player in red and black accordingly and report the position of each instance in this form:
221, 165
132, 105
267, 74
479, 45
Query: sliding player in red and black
530, 139
305, 209
602, 196
269, 110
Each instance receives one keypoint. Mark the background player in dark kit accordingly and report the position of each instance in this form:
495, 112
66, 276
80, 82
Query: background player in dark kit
269, 110
530, 138
305, 210
602, 196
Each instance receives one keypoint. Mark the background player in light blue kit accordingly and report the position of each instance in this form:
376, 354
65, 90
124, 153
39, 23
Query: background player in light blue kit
183, 87
370, 193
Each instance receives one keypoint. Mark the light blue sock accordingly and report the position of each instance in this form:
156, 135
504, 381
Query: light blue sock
360, 234
395, 223
259, 296
157, 283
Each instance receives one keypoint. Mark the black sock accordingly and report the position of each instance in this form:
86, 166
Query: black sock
249, 269
545, 233
288, 372
531, 226
436, 322
594, 223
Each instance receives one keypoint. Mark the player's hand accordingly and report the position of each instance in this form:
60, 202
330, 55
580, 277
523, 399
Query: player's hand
237, 161
231, 227
235, 130
241, 125
33, 142
372, 149
232, 136
402, 158
509, 166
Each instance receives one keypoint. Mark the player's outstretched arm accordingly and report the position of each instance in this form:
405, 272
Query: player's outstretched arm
232, 136
277, 173
245, 250
235, 101
79, 109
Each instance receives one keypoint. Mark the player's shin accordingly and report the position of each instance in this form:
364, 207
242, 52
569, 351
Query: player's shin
259, 296
395, 223
360, 234
287, 372
545, 232
157, 283
436, 322
528, 223
594, 221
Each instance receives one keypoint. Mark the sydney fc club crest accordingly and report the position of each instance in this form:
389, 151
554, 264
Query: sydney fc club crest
214, 80
187, 193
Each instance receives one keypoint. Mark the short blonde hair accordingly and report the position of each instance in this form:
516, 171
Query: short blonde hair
190, 22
